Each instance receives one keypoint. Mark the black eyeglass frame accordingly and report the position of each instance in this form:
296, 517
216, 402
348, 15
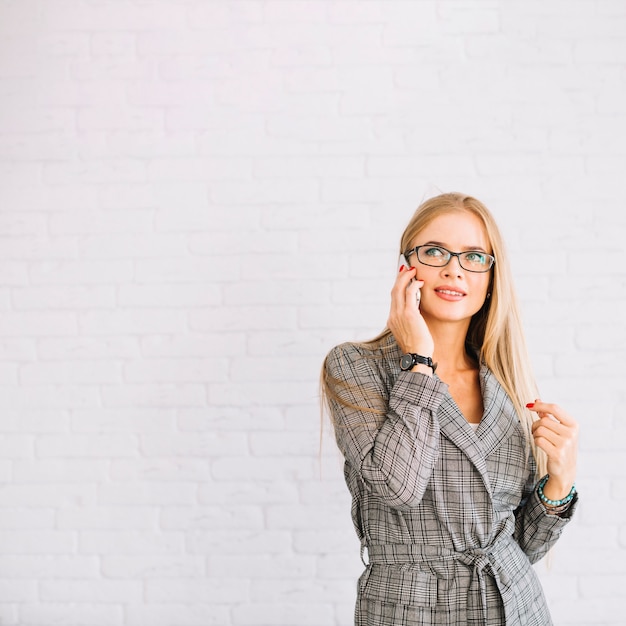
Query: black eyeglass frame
458, 255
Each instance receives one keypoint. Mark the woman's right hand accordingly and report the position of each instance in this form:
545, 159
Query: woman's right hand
405, 320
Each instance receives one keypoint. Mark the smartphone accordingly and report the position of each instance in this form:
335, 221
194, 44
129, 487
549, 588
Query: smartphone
402, 261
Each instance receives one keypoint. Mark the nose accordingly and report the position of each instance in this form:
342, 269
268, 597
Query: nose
453, 267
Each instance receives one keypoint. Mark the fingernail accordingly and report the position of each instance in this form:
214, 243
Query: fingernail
530, 405
402, 268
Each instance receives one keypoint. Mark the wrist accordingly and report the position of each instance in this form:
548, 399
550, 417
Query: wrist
554, 495
423, 369
557, 489
423, 349
411, 360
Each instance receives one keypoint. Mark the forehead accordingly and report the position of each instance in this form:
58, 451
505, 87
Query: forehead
459, 230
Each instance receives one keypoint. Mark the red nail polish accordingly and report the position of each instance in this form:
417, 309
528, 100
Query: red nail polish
530, 405
402, 268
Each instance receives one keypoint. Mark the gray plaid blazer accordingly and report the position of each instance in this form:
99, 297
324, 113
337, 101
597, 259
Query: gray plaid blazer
449, 517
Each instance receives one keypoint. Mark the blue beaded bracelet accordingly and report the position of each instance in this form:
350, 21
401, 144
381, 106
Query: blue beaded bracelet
566, 500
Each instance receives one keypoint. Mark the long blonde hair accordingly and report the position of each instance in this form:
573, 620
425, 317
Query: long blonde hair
495, 332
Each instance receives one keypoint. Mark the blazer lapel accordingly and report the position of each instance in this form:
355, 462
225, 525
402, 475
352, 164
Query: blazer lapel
498, 423
499, 420
456, 428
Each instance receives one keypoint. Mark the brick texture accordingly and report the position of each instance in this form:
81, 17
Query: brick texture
198, 199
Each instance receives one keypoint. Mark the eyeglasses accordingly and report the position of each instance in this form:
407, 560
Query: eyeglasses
436, 256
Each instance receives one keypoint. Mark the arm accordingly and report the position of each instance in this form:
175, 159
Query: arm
556, 433
536, 530
391, 436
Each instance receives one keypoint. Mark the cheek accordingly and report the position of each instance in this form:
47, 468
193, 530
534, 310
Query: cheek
480, 288
424, 273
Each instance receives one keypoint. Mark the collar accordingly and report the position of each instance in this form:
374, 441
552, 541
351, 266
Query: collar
499, 422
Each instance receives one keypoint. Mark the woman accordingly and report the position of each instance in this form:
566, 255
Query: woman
459, 481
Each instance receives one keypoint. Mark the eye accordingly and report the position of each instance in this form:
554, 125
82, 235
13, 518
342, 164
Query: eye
435, 252
477, 258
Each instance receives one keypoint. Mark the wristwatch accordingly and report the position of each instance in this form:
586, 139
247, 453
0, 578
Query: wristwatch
410, 360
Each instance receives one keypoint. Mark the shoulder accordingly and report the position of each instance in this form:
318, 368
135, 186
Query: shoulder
344, 358
380, 349
359, 375
346, 351
373, 358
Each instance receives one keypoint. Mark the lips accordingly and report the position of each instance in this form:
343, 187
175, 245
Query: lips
450, 291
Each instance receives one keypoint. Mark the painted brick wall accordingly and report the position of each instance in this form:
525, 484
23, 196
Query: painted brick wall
197, 200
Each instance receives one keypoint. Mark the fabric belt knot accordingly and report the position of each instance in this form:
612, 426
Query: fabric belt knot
481, 558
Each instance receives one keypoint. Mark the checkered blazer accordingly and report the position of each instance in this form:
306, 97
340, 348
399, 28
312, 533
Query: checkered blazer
449, 517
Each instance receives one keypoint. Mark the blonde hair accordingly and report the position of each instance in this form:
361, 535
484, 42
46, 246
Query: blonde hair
495, 332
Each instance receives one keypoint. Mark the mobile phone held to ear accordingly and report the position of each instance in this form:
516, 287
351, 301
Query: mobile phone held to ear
402, 262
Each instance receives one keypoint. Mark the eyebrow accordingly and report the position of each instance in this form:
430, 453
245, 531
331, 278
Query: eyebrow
466, 249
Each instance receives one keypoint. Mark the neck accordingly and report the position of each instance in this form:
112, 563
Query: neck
449, 338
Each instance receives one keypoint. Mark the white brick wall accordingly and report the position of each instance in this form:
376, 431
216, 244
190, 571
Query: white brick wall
198, 198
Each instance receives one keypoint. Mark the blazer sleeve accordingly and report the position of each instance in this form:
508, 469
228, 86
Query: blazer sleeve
389, 435
536, 531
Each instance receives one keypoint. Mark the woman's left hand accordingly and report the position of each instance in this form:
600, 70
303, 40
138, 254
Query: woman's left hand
556, 433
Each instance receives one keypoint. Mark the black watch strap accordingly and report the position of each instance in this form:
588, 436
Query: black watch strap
410, 360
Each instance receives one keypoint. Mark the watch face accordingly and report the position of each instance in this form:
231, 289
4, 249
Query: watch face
406, 362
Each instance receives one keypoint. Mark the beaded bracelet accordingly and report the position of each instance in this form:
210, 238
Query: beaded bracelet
553, 503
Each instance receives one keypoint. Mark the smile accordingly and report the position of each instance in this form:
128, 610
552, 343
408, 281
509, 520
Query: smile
449, 292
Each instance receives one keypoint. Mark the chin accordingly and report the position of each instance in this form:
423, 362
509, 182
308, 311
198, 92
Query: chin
448, 314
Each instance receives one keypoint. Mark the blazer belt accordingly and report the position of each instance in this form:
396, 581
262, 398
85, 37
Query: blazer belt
489, 560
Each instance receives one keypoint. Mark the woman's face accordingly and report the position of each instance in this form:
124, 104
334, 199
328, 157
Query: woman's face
452, 293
